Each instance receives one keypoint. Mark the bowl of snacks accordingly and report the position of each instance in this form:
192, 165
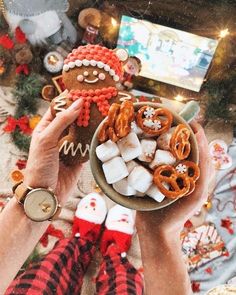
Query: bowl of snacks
144, 156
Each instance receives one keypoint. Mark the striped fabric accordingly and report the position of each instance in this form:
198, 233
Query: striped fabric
61, 272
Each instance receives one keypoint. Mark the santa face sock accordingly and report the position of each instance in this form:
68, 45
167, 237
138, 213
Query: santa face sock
89, 216
119, 228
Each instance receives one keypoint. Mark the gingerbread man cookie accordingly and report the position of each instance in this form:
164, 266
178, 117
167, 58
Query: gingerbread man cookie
90, 73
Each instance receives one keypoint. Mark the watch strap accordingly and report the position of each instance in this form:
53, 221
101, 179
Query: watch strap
57, 213
20, 191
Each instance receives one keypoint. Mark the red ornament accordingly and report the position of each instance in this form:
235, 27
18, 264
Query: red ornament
52, 231
22, 123
195, 287
143, 98
21, 164
188, 224
6, 42
22, 69
227, 223
20, 36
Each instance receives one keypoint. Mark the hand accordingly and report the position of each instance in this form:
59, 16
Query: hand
170, 220
43, 166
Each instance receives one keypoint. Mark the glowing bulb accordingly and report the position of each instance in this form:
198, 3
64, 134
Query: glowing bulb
179, 97
224, 33
113, 22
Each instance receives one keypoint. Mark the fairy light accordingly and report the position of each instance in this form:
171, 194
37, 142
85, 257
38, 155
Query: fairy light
179, 97
113, 22
224, 33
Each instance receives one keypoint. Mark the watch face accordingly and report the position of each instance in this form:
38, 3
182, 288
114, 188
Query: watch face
40, 204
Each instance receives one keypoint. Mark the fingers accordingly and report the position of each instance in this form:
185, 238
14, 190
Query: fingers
63, 120
45, 121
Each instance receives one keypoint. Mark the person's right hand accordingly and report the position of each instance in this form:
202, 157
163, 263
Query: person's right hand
171, 219
44, 170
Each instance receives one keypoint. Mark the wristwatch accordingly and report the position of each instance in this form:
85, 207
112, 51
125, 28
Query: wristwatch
39, 204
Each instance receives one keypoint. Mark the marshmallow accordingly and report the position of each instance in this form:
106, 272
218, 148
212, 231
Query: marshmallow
163, 141
115, 170
162, 158
130, 147
148, 150
155, 194
130, 165
140, 179
107, 151
123, 188
136, 129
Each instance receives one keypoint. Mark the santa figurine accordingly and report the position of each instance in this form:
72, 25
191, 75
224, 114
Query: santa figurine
131, 69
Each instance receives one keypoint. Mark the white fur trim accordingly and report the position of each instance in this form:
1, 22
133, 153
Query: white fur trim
93, 63
66, 68
71, 64
100, 64
116, 78
78, 63
107, 68
77, 235
85, 62
112, 72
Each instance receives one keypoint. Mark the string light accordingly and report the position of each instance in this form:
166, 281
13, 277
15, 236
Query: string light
179, 97
113, 22
224, 33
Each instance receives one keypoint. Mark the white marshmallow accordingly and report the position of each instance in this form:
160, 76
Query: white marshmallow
130, 165
123, 188
163, 141
136, 129
155, 194
107, 151
138, 194
162, 158
140, 179
130, 147
148, 150
115, 170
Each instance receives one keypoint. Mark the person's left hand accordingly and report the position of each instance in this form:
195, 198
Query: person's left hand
44, 170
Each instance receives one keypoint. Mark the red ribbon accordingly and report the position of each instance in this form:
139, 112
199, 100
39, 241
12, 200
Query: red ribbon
22, 123
22, 69
52, 231
227, 223
6, 42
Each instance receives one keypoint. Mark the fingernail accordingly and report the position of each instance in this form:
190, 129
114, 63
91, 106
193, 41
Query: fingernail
76, 105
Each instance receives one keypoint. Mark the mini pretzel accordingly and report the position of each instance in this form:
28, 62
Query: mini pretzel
124, 119
154, 121
166, 175
189, 169
179, 142
118, 122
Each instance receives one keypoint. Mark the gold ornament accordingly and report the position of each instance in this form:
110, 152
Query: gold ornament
33, 121
208, 205
16, 176
97, 188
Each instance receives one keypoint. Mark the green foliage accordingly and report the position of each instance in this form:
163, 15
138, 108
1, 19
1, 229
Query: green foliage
27, 92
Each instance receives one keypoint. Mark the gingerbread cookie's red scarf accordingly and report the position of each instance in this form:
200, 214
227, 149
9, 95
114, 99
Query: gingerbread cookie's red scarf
98, 96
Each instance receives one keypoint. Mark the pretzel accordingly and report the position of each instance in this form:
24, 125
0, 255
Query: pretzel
124, 119
189, 168
154, 121
118, 122
166, 175
179, 142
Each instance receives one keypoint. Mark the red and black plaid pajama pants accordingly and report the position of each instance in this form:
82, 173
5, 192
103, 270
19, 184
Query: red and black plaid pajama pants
62, 270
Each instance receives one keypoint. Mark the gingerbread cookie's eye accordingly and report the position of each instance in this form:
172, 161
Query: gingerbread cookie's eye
86, 73
80, 78
95, 73
101, 76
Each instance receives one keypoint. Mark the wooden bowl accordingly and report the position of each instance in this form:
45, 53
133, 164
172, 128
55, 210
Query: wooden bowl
137, 203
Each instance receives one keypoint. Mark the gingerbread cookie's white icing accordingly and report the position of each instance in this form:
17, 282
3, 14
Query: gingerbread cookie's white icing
125, 96
69, 147
60, 101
